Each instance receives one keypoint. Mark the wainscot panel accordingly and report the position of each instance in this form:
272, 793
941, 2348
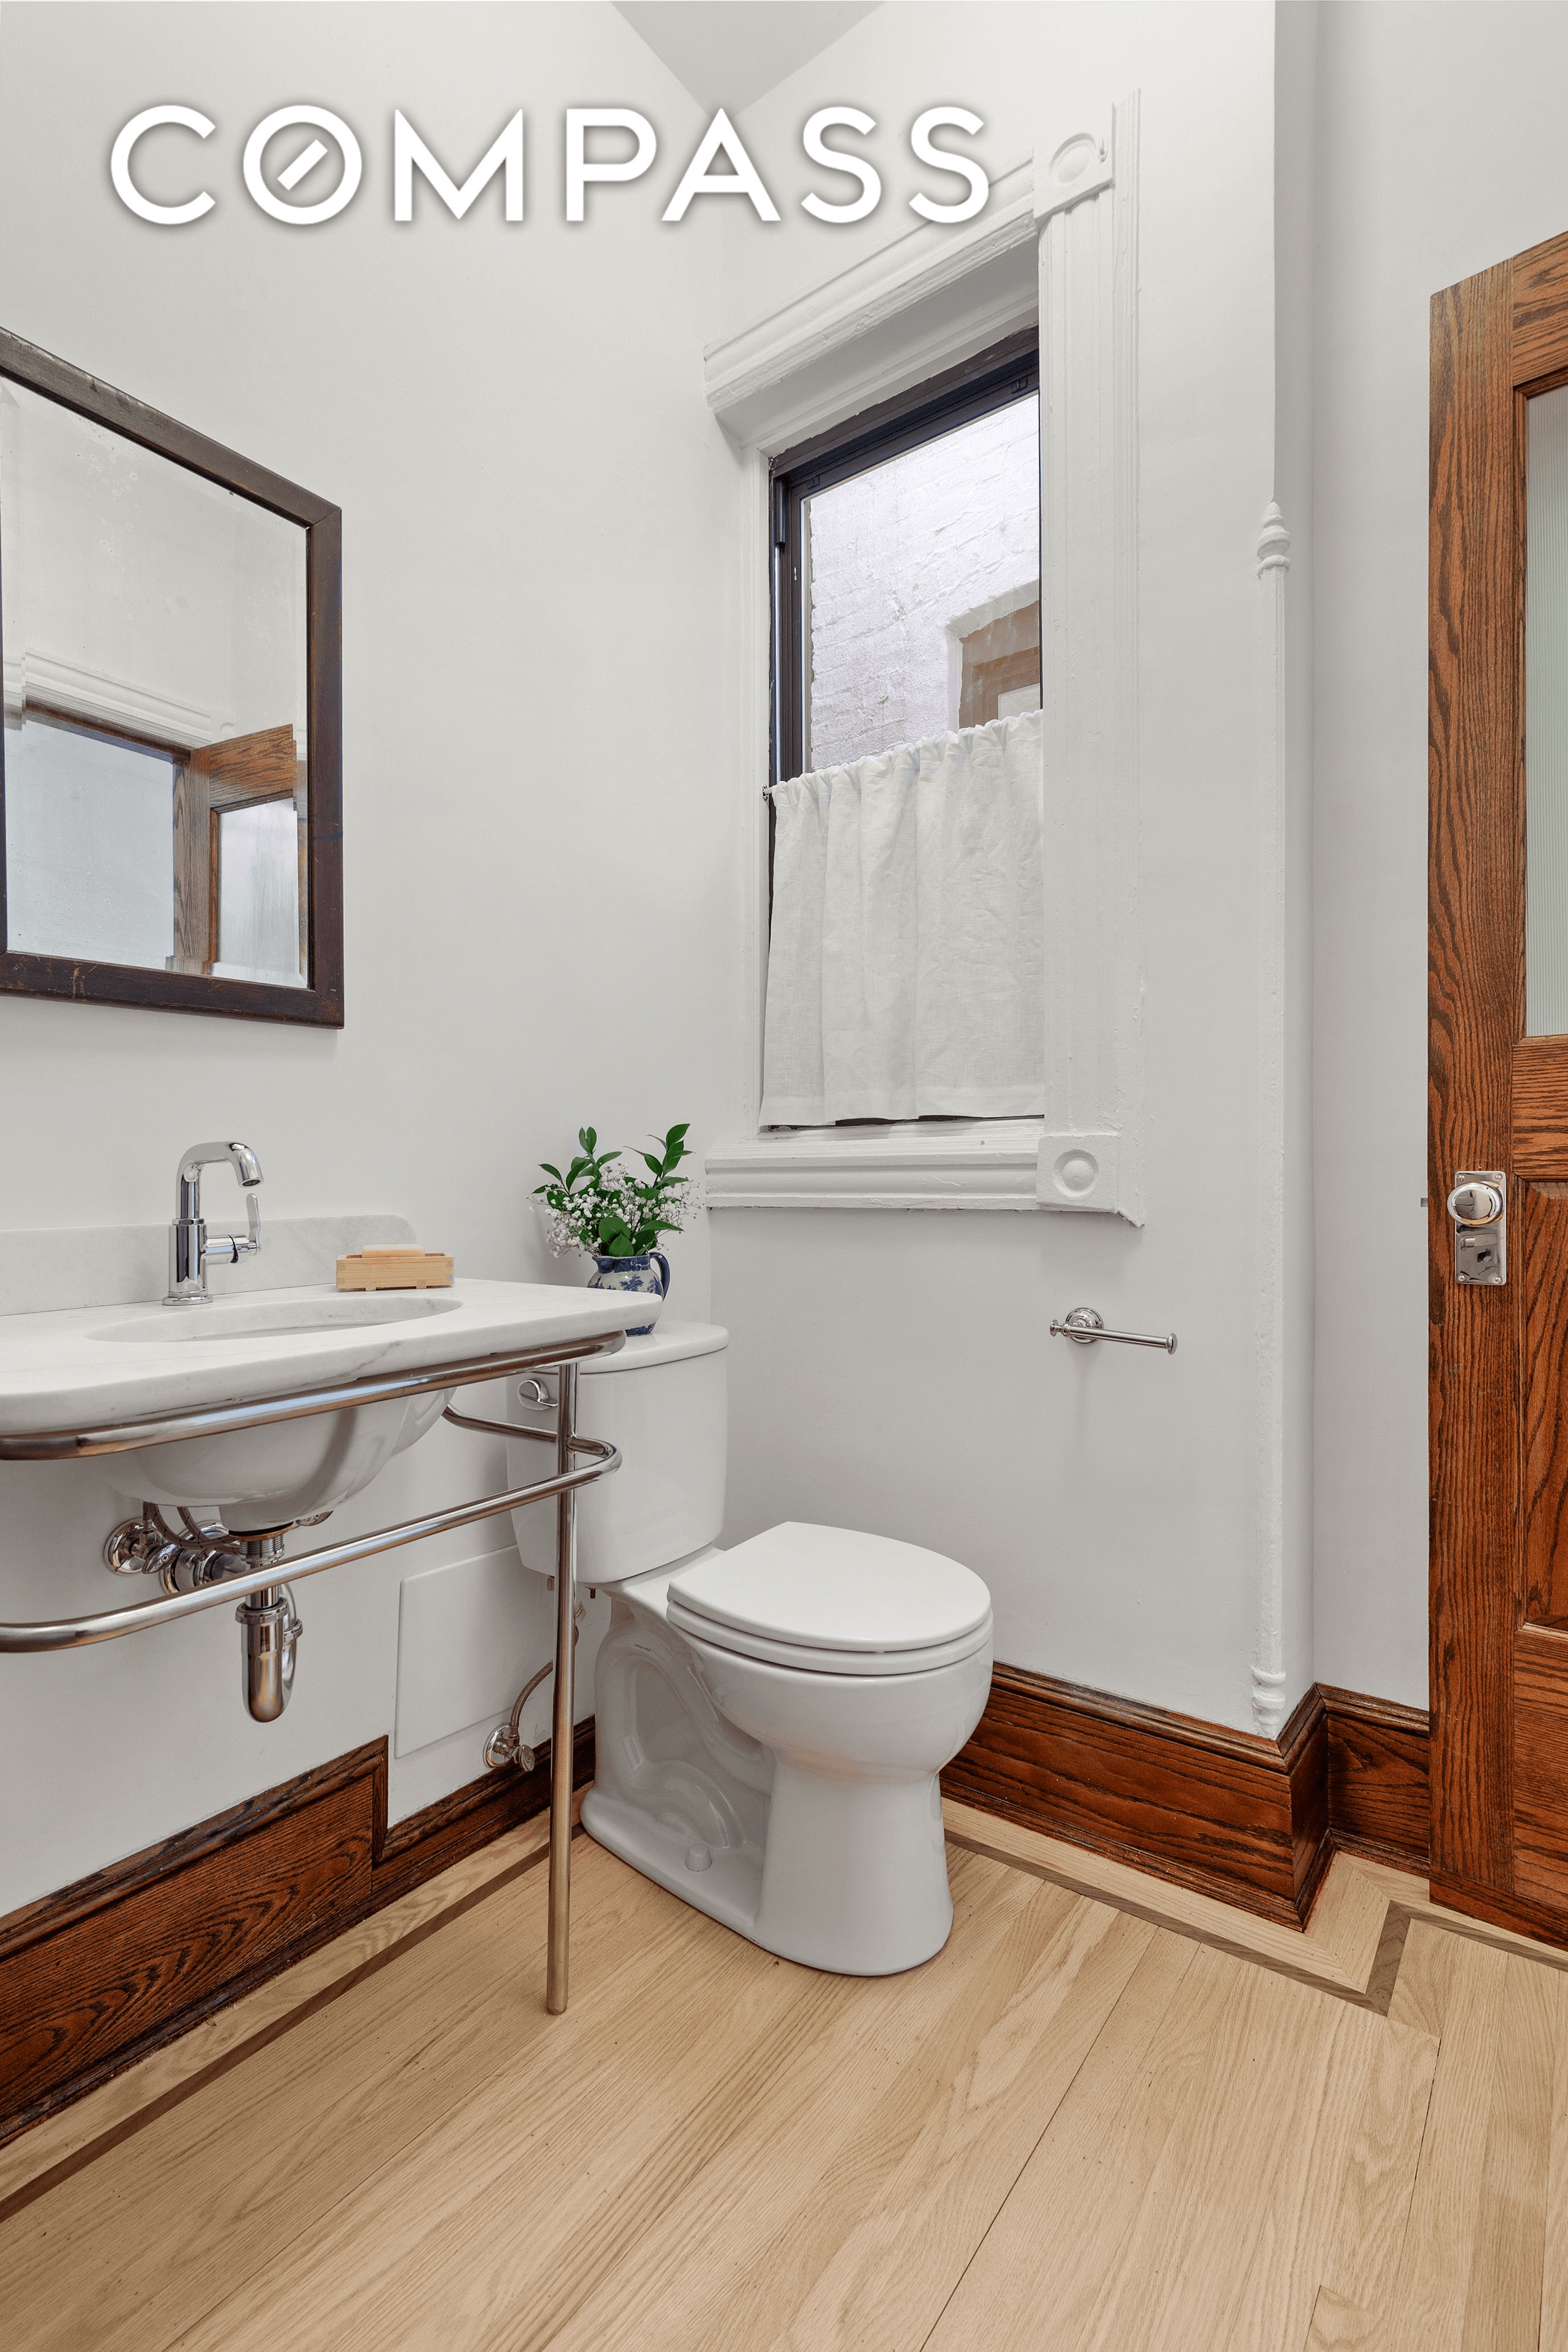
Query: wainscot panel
100, 1974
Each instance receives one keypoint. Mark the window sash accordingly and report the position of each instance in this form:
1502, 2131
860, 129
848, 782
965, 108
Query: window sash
993, 379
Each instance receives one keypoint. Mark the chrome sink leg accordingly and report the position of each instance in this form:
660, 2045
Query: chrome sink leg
565, 1713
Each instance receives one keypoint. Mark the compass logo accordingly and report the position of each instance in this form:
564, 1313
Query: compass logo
595, 149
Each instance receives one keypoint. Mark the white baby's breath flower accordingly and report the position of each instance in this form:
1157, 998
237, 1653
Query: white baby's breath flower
609, 1203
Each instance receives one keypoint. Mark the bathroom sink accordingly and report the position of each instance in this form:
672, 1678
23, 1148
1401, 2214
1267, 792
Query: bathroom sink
57, 1374
283, 1319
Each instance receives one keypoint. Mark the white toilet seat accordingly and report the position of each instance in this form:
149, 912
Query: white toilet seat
833, 1600
824, 1661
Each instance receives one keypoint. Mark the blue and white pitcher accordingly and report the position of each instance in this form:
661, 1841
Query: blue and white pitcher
633, 1274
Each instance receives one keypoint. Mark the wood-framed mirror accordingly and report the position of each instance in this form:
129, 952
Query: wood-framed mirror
170, 761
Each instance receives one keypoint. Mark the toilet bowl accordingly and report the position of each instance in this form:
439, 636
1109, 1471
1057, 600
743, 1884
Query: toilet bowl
772, 1719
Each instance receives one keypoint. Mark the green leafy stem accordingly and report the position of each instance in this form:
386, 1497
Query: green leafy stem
604, 1208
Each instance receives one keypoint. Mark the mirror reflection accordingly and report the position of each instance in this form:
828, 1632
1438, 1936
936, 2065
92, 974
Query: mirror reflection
153, 637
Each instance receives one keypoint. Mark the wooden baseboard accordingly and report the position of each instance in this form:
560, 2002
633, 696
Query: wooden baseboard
1224, 1813
101, 1974
1379, 1799
1252, 1821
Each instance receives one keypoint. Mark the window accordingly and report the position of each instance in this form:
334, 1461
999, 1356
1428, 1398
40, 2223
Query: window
1066, 227
906, 950
906, 582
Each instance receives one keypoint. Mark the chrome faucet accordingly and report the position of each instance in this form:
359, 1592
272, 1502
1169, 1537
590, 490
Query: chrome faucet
189, 1248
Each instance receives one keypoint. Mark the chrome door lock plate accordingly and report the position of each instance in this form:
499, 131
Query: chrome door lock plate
1478, 1206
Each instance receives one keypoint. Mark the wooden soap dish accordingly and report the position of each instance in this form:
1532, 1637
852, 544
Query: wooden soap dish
401, 1267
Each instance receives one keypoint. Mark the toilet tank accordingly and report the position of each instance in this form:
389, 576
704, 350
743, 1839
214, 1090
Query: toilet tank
661, 1399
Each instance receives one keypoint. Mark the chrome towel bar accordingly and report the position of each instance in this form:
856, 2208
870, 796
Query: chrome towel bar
1083, 1326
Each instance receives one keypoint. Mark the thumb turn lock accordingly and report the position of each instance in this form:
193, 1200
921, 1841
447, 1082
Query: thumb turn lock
1478, 1206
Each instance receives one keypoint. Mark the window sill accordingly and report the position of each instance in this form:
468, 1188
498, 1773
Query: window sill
961, 1164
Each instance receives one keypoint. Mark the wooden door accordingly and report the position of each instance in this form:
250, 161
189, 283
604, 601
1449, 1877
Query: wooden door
236, 773
1498, 1093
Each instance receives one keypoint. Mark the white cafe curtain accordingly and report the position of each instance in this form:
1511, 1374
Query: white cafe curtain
906, 961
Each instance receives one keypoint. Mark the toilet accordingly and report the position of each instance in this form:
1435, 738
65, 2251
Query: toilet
770, 1719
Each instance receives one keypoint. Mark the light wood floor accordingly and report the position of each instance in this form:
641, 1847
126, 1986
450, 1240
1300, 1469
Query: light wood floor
1109, 2114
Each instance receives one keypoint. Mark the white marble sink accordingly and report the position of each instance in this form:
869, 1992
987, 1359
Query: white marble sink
291, 1316
88, 1367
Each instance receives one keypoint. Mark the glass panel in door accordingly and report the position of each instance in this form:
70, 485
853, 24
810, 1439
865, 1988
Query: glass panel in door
1546, 717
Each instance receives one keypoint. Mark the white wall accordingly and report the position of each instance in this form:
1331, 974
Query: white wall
1409, 99
1118, 1545
539, 825
894, 1371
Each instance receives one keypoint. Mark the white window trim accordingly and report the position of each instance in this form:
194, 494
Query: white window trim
1057, 242
969, 1163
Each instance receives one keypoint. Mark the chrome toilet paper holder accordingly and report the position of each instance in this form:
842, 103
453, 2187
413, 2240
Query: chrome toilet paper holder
1083, 1326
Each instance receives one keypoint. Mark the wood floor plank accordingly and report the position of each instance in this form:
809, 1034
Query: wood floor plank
1503, 2310
1376, 2190
1337, 1946
1421, 1995
245, 2164
1427, 2310
402, 2259
502, 2223
1280, 2083
1554, 2259
1300, 2194
1339, 2324
1348, 1917
871, 2252
803, 2126
1039, 2276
